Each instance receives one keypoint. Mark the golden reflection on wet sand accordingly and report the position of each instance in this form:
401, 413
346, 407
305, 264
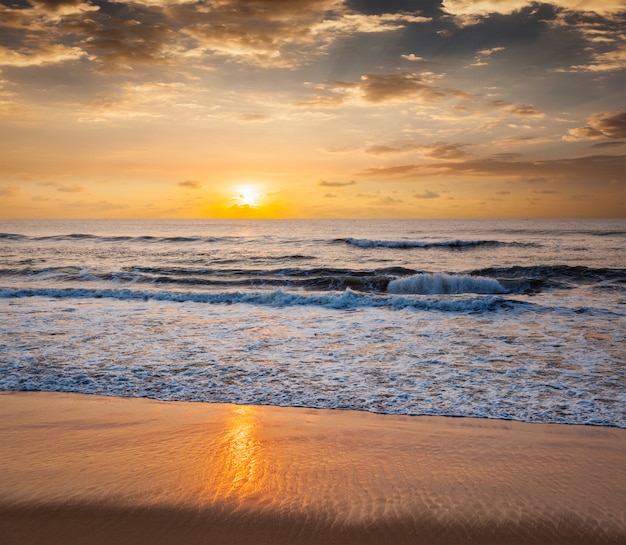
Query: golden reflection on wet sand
235, 466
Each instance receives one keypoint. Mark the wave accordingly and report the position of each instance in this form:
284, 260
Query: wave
553, 275
100, 238
345, 300
442, 283
393, 280
408, 244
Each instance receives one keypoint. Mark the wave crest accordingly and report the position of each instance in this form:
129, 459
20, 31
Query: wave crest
442, 283
344, 300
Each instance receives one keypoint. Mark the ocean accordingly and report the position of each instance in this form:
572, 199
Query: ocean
521, 320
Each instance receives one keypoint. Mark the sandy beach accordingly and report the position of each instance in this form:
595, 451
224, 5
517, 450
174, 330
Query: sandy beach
82, 469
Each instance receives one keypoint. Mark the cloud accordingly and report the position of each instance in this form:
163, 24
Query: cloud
606, 61
594, 167
478, 8
120, 36
106, 206
480, 59
438, 150
603, 47
614, 144
247, 118
379, 88
9, 191
42, 56
375, 89
70, 188
412, 57
520, 110
190, 184
325, 183
600, 126
131, 39
427, 194
379, 199
523, 140
387, 201
134, 101
278, 32
389, 171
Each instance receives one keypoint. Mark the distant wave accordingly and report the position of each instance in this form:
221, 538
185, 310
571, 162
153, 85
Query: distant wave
345, 300
442, 283
99, 238
408, 244
554, 275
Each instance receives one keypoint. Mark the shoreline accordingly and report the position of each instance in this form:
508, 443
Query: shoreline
92, 469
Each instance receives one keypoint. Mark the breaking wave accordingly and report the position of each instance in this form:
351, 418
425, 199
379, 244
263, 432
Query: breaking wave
345, 300
442, 283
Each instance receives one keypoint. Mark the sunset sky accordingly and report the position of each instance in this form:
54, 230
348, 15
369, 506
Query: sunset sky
312, 109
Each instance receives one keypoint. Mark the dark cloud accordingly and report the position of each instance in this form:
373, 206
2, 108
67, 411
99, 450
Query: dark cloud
615, 144
377, 89
604, 125
132, 37
270, 32
376, 7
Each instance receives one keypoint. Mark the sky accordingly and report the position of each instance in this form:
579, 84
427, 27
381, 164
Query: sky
312, 109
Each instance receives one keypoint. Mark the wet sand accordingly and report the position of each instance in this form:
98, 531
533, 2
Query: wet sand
87, 470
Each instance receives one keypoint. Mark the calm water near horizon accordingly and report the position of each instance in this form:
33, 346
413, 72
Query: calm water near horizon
521, 320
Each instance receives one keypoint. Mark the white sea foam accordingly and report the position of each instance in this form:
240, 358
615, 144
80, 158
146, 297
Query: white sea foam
442, 283
508, 363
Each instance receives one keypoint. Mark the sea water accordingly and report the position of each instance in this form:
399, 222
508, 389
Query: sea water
520, 320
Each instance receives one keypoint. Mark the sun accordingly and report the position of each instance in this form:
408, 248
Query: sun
248, 195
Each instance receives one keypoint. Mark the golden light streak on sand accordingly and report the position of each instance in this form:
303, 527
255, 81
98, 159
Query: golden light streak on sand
235, 465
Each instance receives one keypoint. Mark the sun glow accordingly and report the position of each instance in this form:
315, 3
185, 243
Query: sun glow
248, 195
